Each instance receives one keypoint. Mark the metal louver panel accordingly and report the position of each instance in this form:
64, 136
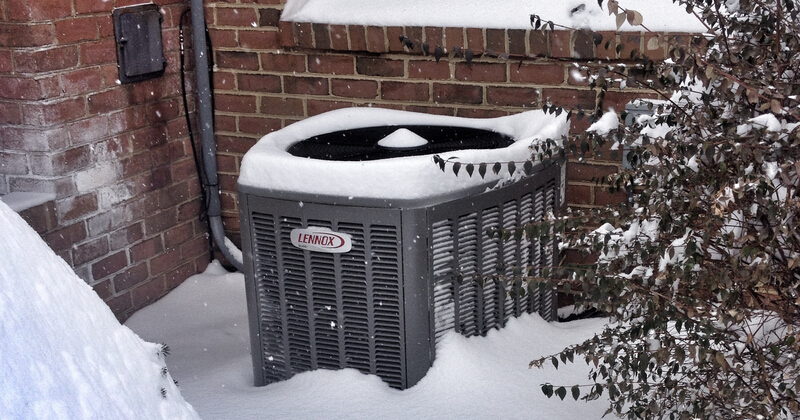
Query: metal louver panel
477, 279
320, 310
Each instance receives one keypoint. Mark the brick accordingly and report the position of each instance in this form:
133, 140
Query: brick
104, 289
322, 36
453, 37
416, 35
367, 89
428, 69
107, 101
358, 37
286, 63
516, 42
93, 6
495, 41
131, 277
225, 38
165, 261
402, 91
457, 94
584, 99
539, 44
286, 34
236, 16
331, 64
434, 110
90, 251
195, 247
579, 195
607, 47
339, 40
99, 52
148, 291
238, 60
603, 197
178, 235
234, 144
66, 236
6, 62
630, 45
512, 96
589, 172
380, 67
538, 74
561, 44
269, 17
13, 163
258, 40
189, 211
316, 107
10, 113
61, 163
41, 218
305, 85
82, 81
393, 35
54, 112
474, 39
376, 39
119, 305
27, 35
235, 103
480, 113
76, 29
32, 140
583, 45
304, 35
29, 88
124, 237
33, 11
258, 126
481, 72
259, 83
159, 222
51, 59
282, 106
146, 249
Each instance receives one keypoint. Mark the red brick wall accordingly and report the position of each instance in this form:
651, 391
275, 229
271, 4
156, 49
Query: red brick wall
117, 157
271, 73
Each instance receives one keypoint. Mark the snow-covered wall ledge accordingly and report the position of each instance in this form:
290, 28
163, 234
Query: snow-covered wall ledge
500, 29
484, 42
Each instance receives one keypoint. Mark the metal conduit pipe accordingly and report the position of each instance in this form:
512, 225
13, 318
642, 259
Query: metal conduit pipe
206, 120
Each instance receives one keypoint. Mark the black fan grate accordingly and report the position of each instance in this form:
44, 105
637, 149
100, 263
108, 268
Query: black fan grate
362, 143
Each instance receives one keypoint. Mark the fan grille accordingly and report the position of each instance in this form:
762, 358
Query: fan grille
360, 144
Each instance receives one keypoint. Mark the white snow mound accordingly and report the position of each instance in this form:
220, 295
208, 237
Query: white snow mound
267, 165
63, 354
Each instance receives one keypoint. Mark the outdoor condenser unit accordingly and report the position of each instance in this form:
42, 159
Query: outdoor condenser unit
359, 252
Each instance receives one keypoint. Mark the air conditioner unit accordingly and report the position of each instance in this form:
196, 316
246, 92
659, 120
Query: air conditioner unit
361, 253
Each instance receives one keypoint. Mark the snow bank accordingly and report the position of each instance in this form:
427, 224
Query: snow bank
63, 354
659, 15
205, 321
267, 165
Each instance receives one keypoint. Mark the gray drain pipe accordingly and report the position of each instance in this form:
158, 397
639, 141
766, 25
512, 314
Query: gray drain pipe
209, 148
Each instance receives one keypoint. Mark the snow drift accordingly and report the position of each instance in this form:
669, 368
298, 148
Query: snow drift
63, 354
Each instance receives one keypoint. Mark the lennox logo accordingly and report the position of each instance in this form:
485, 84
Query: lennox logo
321, 240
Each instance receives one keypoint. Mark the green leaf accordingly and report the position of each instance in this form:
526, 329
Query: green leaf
561, 392
547, 390
576, 392
482, 170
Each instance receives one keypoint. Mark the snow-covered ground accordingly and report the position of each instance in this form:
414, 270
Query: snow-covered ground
204, 322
